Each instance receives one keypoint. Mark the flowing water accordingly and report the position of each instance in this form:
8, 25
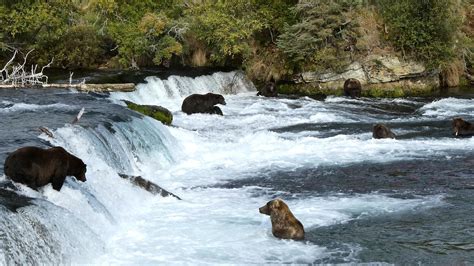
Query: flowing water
403, 201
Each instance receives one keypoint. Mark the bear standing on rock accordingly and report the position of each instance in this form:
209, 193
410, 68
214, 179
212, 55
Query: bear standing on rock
284, 223
36, 167
203, 103
352, 88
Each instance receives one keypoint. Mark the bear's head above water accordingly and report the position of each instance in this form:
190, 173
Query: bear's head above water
284, 223
216, 98
462, 127
381, 131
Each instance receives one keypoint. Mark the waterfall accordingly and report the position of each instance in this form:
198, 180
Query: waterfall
170, 92
71, 226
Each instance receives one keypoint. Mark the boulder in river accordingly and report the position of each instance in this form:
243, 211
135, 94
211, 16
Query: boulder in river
157, 112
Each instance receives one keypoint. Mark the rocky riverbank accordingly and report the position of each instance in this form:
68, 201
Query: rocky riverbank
380, 76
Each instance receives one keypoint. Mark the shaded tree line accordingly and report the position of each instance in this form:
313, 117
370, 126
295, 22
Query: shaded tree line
267, 38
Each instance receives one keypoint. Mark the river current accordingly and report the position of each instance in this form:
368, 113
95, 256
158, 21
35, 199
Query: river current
408, 200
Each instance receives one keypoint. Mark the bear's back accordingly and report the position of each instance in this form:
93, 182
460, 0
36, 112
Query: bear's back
196, 103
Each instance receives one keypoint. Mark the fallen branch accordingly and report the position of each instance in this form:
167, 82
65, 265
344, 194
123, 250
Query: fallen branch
123, 87
78, 117
17, 75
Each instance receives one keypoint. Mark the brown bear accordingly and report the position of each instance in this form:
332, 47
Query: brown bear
203, 103
380, 131
284, 223
269, 90
352, 88
462, 128
36, 167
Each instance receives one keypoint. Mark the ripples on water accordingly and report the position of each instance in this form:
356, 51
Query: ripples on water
401, 201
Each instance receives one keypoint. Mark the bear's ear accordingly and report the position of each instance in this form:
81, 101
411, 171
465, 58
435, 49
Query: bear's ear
276, 203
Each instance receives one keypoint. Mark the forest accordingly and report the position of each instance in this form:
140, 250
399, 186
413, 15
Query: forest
265, 38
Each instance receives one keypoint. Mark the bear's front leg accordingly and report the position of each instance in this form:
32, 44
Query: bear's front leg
58, 181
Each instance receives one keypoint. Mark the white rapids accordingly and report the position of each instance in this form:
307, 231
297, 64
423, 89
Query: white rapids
213, 224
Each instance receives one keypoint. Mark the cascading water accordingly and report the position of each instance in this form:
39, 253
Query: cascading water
318, 156
171, 91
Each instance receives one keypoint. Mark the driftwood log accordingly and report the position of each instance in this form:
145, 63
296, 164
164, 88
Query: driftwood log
124, 87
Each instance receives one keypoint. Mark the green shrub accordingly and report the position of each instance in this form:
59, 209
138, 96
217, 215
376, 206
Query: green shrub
425, 30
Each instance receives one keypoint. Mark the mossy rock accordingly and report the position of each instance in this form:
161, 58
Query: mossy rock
157, 112
309, 89
382, 90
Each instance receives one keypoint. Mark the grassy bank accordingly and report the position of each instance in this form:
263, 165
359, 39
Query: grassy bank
383, 90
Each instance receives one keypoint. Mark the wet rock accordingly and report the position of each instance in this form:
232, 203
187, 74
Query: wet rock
10, 199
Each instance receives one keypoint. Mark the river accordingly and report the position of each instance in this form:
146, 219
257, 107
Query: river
405, 201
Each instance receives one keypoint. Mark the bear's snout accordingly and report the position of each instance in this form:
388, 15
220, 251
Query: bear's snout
81, 178
264, 210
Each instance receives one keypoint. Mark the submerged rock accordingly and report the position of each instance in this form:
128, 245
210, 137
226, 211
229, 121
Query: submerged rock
157, 112
148, 185
12, 200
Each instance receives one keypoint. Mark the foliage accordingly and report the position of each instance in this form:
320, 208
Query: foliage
266, 38
424, 29
80, 47
323, 35
226, 26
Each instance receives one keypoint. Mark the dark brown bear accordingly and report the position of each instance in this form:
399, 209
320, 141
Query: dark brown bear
352, 88
269, 90
203, 103
284, 223
381, 131
36, 167
462, 128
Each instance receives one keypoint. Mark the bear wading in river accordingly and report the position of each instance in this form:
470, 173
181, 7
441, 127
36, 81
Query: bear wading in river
203, 103
36, 167
284, 223
269, 90
381, 131
352, 88
462, 128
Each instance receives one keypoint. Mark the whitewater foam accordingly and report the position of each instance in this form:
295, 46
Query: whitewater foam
171, 91
26, 107
449, 108
126, 225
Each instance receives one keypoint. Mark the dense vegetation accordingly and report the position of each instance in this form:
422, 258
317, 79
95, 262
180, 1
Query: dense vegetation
267, 38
